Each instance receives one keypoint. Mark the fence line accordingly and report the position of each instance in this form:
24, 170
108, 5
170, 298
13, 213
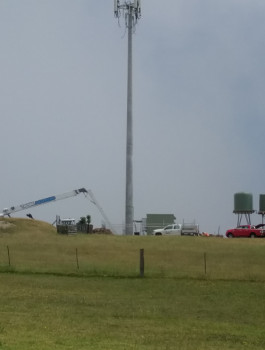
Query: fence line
193, 265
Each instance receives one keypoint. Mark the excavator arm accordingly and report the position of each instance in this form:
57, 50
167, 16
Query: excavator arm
11, 210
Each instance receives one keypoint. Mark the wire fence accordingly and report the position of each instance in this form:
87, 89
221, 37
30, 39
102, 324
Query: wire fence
140, 263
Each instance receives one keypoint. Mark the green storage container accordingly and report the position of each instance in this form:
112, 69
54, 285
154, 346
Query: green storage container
154, 221
262, 202
243, 202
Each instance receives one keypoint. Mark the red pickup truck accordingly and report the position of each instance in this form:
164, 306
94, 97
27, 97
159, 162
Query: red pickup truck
247, 231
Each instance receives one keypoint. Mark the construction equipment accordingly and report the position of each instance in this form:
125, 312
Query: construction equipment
11, 210
67, 226
87, 193
95, 202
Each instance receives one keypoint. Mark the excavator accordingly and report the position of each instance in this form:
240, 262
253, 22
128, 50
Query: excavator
87, 193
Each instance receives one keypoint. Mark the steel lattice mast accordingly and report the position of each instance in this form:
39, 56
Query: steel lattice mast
132, 12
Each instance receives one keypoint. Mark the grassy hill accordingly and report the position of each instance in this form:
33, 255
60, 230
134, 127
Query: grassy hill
35, 246
48, 301
26, 228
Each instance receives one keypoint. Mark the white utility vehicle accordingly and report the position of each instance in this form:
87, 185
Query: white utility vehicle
191, 229
168, 230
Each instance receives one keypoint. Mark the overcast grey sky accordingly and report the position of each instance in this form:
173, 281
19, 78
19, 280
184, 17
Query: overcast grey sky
199, 107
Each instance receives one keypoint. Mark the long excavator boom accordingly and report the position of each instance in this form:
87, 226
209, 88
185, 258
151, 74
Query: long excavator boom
8, 211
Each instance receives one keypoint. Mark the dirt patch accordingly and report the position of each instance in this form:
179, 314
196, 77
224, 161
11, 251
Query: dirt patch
4, 225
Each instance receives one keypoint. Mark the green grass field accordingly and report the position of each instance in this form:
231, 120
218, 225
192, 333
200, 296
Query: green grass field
47, 301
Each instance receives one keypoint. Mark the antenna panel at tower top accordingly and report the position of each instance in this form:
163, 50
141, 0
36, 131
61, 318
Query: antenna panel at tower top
137, 5
125, 6
116, 4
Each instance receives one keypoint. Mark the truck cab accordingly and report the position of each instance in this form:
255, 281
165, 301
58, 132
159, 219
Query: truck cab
174, 229
67, 226
68, 222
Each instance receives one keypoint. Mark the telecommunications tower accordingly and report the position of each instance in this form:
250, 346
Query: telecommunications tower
132, 12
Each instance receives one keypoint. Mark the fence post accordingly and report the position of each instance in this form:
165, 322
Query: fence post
8, 254
77, 262
205, 264
141, 262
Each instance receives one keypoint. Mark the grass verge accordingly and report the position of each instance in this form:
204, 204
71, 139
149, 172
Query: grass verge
105, 305
51, 312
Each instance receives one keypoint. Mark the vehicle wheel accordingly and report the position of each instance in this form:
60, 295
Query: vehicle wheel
158, 234
252, 235
229, 235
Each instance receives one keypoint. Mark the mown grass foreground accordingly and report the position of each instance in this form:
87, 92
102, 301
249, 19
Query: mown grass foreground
46, 302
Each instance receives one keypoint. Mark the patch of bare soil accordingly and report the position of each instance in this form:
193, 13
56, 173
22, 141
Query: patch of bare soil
5, 224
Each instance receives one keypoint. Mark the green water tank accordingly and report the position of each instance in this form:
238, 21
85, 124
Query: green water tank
243, 202
262, 202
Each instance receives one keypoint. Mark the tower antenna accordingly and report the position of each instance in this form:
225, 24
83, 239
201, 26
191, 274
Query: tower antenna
132, 13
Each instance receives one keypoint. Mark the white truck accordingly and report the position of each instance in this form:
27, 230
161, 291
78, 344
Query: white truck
189, 229
67, 226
